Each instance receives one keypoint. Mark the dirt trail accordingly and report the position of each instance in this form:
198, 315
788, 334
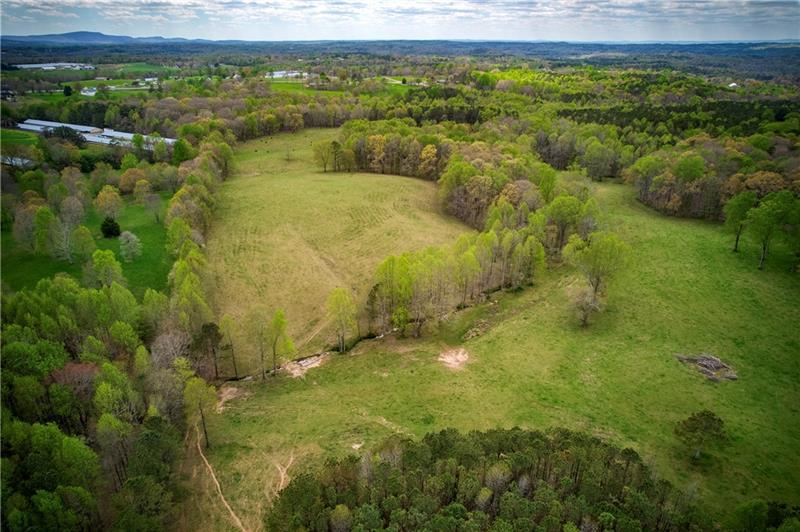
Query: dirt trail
284, 480
234, 517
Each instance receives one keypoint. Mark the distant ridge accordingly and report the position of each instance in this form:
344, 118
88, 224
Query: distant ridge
94, 37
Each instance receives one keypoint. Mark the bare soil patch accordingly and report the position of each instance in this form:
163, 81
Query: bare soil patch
477, 329
228, 393
710, 366
454, 358
298, 368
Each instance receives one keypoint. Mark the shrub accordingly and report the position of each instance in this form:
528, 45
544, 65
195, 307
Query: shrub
110, 228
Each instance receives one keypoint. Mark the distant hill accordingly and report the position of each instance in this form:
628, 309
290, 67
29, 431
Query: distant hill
90, 37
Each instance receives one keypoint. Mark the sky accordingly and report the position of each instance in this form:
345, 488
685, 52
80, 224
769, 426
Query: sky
526, 20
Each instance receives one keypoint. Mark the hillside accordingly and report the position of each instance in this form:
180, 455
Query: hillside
535, 368
287, 234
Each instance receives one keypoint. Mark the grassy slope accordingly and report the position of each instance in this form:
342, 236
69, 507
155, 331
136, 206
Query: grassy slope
9, 137
684, 293
22, 269
286, 234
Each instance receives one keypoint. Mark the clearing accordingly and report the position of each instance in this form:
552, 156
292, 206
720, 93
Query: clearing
285, 234
532, 366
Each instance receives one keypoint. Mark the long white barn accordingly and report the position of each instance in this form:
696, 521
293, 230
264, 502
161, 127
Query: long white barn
91, 134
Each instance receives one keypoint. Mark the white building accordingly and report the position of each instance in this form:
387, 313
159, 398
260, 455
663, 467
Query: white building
89, 91
98, 135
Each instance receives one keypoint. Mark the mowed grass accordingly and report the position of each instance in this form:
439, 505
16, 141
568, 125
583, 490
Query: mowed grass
286, 234
684, 292
23, 269
9, 137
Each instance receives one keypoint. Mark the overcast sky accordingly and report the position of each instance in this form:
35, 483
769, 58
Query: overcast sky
572, 20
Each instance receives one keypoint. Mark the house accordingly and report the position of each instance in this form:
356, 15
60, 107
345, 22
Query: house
88, 91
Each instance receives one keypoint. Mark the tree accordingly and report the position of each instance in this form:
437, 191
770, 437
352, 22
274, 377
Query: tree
427, 162
199, 400
690, 167
563, 212
227, 327
272, 336
598, 258
108, 202
130, 248
736, 213
182, 151
67, 91
598, 160
71, 212
110, 228
141, 190
128, 161
764, 220
700, 430
178, 232
152, 202
750, 516
103, 269
45, 223
83, 244
323, 154
209, 340
342, 311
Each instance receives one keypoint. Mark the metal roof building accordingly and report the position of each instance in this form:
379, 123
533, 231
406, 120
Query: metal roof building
98, 135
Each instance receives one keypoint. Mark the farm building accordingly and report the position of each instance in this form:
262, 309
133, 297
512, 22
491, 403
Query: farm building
91, 134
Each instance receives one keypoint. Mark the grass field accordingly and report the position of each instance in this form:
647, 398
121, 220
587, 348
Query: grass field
684, 292
299, 87
286, 234
22, 269
9, 137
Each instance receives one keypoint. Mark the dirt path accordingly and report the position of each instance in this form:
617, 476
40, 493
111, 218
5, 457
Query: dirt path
282, 471
234, 517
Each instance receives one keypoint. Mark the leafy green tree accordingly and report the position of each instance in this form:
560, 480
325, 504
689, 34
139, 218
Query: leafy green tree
342, 311
750, 517
700, 430
766, 219
278, 338
341, 518
563, 212
128, 161
736, 210
83, 244
182, 151
108, 202
199, 400
323, 154
209, 339
142, 505
599, 257
690, 167
104, 269
45, 225
598, 160
178, 232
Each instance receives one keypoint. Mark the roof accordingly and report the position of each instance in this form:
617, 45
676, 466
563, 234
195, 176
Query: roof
90, 133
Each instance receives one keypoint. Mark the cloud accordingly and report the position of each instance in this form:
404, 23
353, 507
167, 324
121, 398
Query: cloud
477, 19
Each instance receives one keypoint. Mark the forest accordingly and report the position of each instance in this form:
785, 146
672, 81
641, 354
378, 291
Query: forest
450, 192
